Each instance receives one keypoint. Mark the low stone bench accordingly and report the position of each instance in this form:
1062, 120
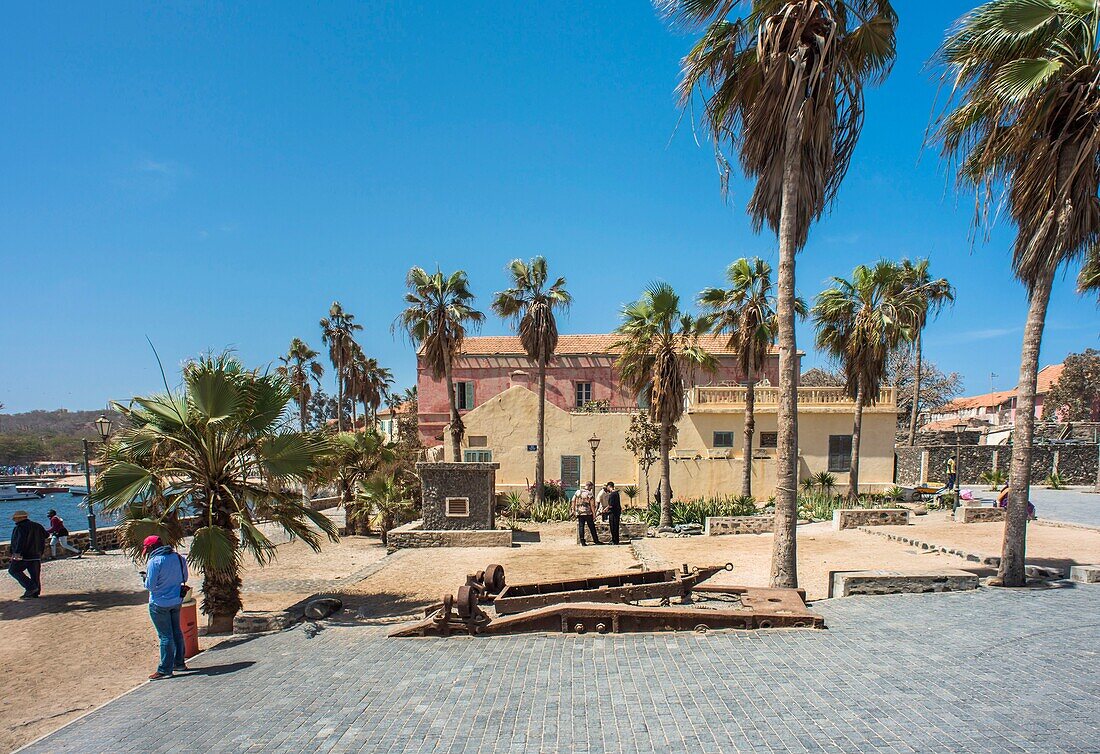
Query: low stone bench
850, 518
719, 525
848, 583
411, 535
971, 514
1085, 574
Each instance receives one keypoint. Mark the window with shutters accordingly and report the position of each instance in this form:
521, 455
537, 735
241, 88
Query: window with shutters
840, 452
458, 507
477, 456
584, 393
464, 396
769, 440
723, 439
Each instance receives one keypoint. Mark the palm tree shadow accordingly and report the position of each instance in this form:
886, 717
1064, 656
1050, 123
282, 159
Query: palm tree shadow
79, 602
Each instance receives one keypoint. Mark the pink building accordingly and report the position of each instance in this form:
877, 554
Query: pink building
995, 409
583, 371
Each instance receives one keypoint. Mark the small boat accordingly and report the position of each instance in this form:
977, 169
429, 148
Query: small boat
43, 488
9, 493
78, 491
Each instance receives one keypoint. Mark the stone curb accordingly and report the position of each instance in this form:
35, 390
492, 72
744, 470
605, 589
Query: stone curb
1033, 571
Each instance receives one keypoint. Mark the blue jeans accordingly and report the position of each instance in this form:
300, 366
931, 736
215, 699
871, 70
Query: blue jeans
167, 622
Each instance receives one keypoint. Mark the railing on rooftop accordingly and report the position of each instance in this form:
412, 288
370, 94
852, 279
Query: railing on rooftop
720, 396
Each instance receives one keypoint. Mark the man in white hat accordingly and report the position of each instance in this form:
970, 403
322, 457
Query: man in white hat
28, 542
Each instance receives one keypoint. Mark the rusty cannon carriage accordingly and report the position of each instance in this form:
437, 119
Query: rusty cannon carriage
611, 604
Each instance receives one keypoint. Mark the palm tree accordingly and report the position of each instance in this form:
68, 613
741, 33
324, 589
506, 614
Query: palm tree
385, 495
932, 295
439, 311
746, 310
530, 302
217, 449
1023, 123
782, 86
355, 456
338, 333
658, 344
299, 367
860, 322
375, 390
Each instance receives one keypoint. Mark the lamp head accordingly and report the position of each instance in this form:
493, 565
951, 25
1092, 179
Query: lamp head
103, 426
593, 442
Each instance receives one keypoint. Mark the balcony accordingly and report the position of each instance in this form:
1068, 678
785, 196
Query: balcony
722, 399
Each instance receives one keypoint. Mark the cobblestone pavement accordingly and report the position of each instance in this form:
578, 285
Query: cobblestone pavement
986, 671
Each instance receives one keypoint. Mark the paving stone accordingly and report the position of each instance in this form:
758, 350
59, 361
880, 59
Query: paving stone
990, 670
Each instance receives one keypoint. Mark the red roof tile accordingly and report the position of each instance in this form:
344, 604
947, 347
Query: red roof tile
498, 345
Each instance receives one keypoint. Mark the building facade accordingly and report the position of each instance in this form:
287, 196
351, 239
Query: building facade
496, 393
996, 409
582, 373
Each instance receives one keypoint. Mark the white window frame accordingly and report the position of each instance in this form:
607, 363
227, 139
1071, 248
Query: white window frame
582, 402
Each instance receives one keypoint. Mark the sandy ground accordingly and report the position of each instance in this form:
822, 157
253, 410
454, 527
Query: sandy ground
89, 638
820, 550
1046, 545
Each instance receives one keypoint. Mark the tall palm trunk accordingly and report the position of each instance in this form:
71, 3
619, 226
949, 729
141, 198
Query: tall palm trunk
1011, 571
857, 427
916, 392
454, 428
784, 571
302, 407
750, 428
665, 486
340, 391
540, 460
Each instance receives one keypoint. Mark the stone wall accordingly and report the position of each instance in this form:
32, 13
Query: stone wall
972, 514
717, 525
413, 535
627, 530
1075, 463
108, 538
474, 481
850, 518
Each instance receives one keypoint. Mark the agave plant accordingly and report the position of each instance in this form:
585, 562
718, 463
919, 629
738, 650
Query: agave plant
218, 449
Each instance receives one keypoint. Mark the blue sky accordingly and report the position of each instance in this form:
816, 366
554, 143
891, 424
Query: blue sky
214, 175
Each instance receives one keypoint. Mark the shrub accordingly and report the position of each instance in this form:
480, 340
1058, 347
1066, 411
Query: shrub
697, 510
995, 479
552, 491
1054, 481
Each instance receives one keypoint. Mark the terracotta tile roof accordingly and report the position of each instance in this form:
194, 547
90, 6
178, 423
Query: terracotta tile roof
499, 345
401, 408
1048, 375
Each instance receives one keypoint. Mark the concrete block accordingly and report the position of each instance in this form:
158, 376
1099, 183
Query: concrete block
1043, 572
848, 583
717, 525
1085, 574
974, 514
850, 518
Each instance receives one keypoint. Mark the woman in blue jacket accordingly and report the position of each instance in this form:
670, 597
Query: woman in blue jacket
165, 577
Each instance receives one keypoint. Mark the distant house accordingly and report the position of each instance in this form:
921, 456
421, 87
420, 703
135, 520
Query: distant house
996, 409
388, 419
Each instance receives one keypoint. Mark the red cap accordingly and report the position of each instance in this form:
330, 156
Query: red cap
150, 542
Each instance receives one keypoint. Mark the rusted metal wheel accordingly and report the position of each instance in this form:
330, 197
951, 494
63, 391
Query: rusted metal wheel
494, 578
467, 601
479, 577
448, 604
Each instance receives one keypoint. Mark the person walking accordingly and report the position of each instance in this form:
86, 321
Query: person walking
583, 507
28, 542
59, 535
614, 511
166, 580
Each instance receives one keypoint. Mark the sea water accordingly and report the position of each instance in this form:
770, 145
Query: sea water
70, 507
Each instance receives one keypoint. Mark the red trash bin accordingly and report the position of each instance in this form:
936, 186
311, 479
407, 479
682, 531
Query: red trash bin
189, 624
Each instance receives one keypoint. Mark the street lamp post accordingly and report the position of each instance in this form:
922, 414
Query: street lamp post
959, 429
103, 426
593, 442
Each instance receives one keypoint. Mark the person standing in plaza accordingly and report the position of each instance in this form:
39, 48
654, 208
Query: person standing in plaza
614, 511
583, 506
59, 535
28, 542
166, 580
951, 473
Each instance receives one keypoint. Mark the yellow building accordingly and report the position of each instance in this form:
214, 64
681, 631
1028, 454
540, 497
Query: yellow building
709, 454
